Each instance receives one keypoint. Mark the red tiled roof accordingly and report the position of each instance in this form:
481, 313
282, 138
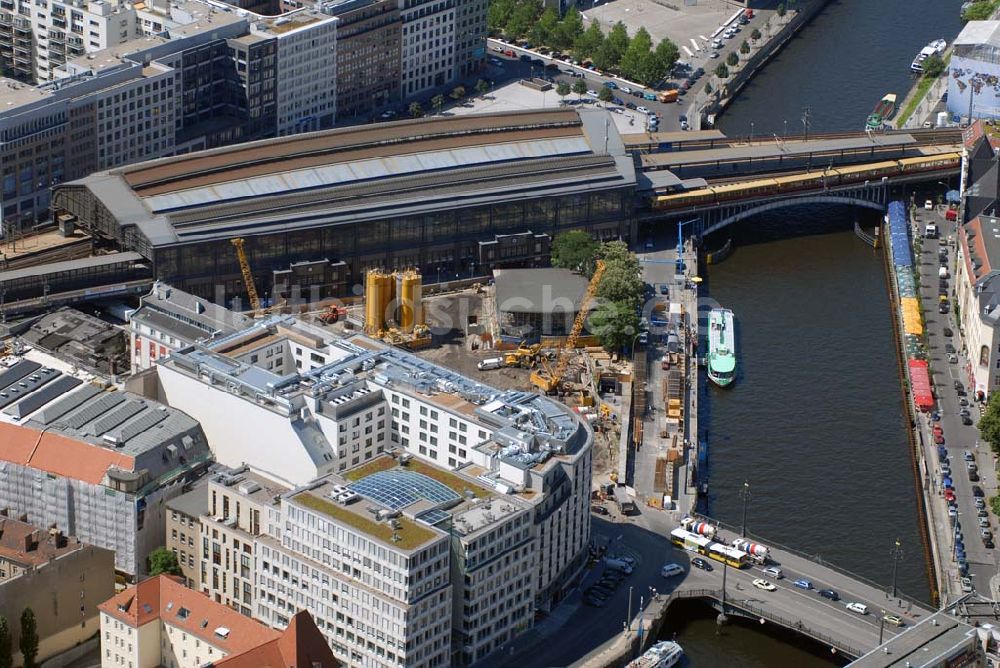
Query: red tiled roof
978, 249
164, 598
61, 455
301, 645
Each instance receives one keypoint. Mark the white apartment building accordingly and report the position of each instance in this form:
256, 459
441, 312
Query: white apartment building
169, 319
159, 622
977, 290
42, 36
428, 47
506, 475
306, 70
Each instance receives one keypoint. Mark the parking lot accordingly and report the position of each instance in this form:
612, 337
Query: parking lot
674, 20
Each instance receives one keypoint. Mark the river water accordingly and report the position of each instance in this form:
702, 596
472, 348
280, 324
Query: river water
815, 420
840, 65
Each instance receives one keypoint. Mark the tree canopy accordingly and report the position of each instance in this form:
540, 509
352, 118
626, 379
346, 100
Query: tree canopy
162, 560
934, 66
989, 423
589, 42
616, 319
6, 649
28, 642
574, 250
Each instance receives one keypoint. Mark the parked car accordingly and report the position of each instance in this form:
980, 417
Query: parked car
967, 585
642, 110
761, 583
947, 331
625, 89
830, 594
929, 205
630, 105
599, 510
943, 308
939, 439
611, 84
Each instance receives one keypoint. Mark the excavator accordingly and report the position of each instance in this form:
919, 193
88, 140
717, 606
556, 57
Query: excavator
549, 377
525, 356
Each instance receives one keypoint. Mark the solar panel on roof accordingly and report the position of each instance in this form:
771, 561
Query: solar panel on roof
36, 400
64, 406
93, 410
117, 416
17, 372
397, 489
145, 421
26, 386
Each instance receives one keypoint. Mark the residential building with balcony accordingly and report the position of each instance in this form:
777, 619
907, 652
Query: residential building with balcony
183, 532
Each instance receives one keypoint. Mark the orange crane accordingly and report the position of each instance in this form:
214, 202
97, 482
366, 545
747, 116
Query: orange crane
548, 380
248, 283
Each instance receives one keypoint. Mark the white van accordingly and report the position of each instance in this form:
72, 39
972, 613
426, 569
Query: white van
773, 572
490, 363
943, 272
930, 231
670, 570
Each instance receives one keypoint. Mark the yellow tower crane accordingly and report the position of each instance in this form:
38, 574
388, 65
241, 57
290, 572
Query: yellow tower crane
247, 276
548, 379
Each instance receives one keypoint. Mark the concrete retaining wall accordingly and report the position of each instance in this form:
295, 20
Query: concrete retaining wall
719, 100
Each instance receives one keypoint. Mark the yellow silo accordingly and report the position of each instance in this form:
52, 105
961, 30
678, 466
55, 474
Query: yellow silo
388, 282
379, 289
373, 301
411, 311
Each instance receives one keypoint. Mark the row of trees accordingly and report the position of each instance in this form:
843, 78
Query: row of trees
27, 643
615, 321
416, 110
635, 57
981, 10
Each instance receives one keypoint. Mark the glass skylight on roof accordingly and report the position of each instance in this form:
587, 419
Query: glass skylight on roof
398, 489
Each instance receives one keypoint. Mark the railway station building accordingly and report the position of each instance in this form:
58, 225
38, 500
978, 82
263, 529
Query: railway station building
441, 195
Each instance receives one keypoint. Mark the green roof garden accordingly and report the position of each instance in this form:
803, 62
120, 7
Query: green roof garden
411, 535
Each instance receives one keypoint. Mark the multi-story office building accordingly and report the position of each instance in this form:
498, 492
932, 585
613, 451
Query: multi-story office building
428, 48
368, 56
241, 506
480, 511
183, 532
97, 465
169, 319
61, 579
159, 622
38, 37
305, 48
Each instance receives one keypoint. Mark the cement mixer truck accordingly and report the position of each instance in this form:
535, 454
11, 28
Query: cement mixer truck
698, 527
758, 553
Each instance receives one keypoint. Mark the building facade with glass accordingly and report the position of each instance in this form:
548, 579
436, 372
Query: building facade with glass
449, 196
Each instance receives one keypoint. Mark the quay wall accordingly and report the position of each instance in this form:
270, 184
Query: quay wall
717, 102
921, 477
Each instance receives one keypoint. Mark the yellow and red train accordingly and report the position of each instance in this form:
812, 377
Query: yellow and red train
717, 194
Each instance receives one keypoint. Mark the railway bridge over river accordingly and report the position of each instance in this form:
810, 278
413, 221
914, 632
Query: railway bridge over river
703, 176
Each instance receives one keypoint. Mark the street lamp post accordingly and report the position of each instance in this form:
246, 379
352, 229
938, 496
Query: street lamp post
897, 554
745, 494
628, 615
751, 132
881, 627
680, 243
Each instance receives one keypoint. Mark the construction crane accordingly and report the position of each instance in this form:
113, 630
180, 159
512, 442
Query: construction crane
247, 276
548, 380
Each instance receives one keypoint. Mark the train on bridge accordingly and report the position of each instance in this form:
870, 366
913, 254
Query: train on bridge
831, 177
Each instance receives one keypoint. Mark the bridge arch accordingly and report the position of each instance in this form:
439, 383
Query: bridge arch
727, 217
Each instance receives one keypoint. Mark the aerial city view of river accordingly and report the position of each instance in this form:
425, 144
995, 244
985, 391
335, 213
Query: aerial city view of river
815, 420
